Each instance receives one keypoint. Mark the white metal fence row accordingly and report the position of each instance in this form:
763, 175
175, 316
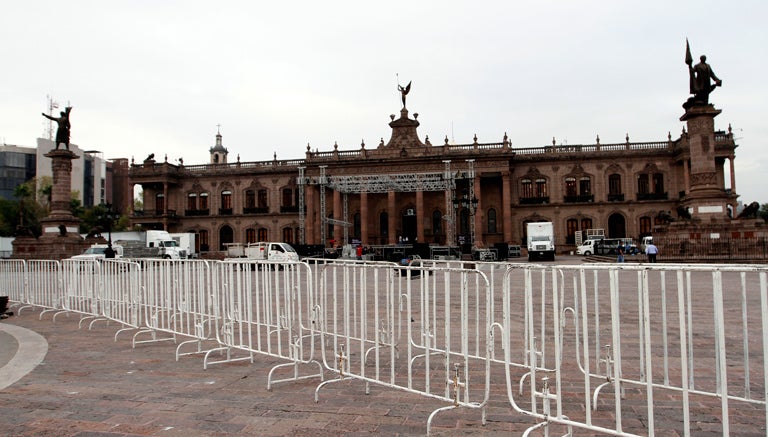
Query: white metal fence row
612, 349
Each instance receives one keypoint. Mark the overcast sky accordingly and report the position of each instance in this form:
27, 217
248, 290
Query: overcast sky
159, 76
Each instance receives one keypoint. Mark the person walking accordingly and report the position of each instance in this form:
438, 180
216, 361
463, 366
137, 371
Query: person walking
651, 251
620, 252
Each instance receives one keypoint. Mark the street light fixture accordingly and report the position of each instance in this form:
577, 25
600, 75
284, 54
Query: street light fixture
108, 218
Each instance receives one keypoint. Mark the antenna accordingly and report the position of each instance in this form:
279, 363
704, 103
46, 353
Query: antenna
48, 130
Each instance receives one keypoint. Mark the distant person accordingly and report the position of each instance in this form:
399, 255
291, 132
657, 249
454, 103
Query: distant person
620, 252
360, 252
651, 251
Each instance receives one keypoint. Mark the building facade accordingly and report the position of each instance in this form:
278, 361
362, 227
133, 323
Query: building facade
412, 190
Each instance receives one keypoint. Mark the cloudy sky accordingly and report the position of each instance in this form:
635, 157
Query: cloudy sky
159, 76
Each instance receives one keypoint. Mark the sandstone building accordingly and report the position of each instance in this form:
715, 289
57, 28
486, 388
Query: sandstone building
410, 189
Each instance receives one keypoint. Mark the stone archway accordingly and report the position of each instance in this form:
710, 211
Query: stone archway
617, 226
226, 235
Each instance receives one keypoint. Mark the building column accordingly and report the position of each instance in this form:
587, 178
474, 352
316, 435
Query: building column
478, 216
364, 218
687, 176
420, 216
506, 207
165, 205
733, 176
338, 233
391, 216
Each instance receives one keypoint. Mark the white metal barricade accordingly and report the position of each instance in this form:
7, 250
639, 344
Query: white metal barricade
266, 308
13, 279
424, 330
81, 285
623, 336
44, 286
177, 300
121, 294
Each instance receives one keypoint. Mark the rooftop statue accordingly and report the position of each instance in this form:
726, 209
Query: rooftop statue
700, 77
404, 91
62, 132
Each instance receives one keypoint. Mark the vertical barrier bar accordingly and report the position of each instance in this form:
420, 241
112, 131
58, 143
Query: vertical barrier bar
684, 332
717, 279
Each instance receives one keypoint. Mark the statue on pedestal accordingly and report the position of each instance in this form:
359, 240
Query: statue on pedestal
700, 77
404, 91
62, 132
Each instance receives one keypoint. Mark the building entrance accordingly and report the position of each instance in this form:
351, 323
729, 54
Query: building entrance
409, 226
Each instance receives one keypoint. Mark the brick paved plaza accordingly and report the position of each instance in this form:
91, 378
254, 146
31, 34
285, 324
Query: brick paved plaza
88, 384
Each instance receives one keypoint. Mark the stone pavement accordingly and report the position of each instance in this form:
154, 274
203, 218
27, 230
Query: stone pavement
89, 385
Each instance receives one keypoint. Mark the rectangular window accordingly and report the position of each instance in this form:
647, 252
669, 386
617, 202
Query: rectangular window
642, 184
570, 187
226, 199
250, 235
585, 186
203, 200
541, 188
287, 197
658, 183
526, 188
262, 198
192, 201
250, 199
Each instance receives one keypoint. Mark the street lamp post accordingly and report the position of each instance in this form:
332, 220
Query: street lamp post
108, 217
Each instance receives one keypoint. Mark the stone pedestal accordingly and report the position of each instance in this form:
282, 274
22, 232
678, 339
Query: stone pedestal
706, 200
60, 238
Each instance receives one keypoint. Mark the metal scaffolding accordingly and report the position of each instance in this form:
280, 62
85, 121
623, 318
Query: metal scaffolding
381, 183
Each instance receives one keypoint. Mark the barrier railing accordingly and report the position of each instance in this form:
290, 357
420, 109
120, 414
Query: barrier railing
419, 329
176, 301
630, 335
13, 277
610, 349
267, 308
81, 288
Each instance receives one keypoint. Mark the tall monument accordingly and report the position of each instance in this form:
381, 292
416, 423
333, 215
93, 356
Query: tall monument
704, 209
60, 238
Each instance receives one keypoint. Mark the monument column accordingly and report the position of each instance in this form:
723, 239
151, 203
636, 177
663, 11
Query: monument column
420, 216
364, 218
706, 197
506, 207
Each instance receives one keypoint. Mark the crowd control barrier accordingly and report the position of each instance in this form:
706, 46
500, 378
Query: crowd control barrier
423, 330
604, 344
612, 349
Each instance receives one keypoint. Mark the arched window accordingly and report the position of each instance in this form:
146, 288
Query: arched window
585, 186
250, 235
586, 223
288, 235
526, 188
160, 203
192, 201
204, 201
645, 226
570, 187
226, 235
263, 234
250, 199
492, 221
226, 203
571, 226
262, 199
614, 184
203, 238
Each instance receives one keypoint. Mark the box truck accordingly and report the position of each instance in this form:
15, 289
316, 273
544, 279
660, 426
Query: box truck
541, 241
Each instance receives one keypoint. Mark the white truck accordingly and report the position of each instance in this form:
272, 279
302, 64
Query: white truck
541, 241
151, 244
263, 250
187, 243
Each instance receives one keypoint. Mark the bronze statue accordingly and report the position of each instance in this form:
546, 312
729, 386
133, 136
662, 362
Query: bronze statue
750, 211
699, 76
62, 132
404, 91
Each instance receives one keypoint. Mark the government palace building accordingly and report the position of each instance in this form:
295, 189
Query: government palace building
408, 189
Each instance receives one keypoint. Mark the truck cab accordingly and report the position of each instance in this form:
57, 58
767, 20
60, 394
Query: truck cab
271, 251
